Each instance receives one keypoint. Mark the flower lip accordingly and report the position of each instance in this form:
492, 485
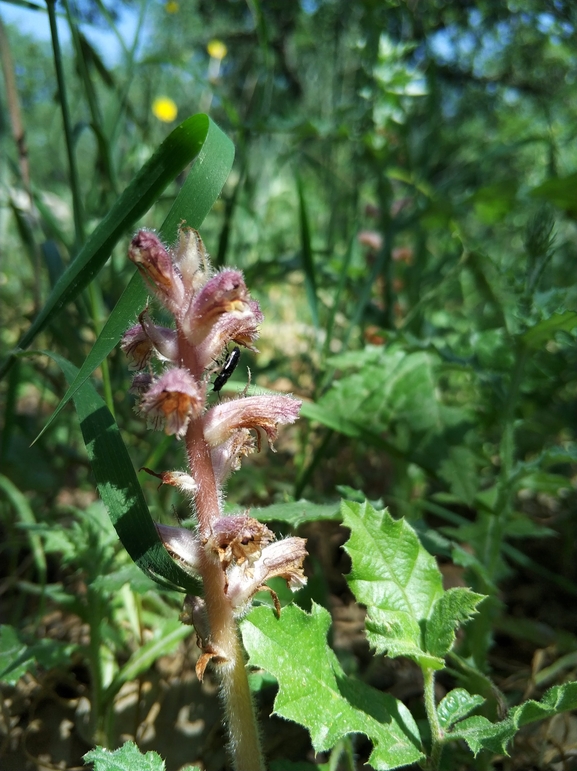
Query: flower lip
260, 413
146, 339
172, 400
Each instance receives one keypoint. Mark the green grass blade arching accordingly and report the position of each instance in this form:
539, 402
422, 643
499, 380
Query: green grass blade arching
200, 190
196, 138
119, 487
26, 516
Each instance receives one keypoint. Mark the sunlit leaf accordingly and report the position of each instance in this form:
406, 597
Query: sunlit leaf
315, 692
400, 584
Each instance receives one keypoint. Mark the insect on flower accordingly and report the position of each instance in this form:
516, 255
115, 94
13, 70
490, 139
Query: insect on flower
229, 367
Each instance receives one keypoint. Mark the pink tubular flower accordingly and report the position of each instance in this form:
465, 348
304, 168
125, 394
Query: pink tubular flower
143, 340
172, 400
191, 259
226, 457
260, 413
238, 327
141, 382
155, 264
137, 346
224, 293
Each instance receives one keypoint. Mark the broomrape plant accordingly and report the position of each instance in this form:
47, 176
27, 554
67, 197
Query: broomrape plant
408, 612
233, 555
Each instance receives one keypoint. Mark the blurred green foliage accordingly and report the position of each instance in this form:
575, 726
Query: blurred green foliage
403, 204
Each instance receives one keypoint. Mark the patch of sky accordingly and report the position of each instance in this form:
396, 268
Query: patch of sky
309, 6
35, 24
441, 44
510, 96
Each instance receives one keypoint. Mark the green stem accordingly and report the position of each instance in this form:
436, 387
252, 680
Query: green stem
228, 656
95, 299
433, 718
75, 184
97, 715
495, 533
63, 99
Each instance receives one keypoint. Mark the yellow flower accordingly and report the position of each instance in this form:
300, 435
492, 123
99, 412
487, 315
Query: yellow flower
171, 7
216, 49
164, 109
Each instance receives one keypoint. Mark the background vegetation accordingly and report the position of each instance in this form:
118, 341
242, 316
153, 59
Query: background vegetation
403, 205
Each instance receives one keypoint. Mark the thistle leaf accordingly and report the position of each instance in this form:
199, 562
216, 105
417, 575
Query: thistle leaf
315, 692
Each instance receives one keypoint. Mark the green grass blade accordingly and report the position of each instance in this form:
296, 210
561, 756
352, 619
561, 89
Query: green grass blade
26, 516
344, 272
196, 138
163, 644
119, 487
307, 256
202, 187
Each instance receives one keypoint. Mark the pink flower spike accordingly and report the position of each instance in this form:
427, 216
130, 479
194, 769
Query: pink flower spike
155, 264
260, 413
172, 400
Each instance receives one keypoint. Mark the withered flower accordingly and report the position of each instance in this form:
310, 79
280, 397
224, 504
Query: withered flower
282, 558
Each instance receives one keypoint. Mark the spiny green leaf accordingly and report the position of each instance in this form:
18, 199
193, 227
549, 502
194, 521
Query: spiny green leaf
559, 698
315, 692
455, 607
126, 758
460, 470
480, 733
397, 580
456, 705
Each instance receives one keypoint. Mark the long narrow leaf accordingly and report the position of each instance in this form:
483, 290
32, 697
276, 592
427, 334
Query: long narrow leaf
196, 138
202, 187
26, 516
119, 487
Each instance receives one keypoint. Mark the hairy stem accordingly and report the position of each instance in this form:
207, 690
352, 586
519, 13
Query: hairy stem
244, 743
433, 718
